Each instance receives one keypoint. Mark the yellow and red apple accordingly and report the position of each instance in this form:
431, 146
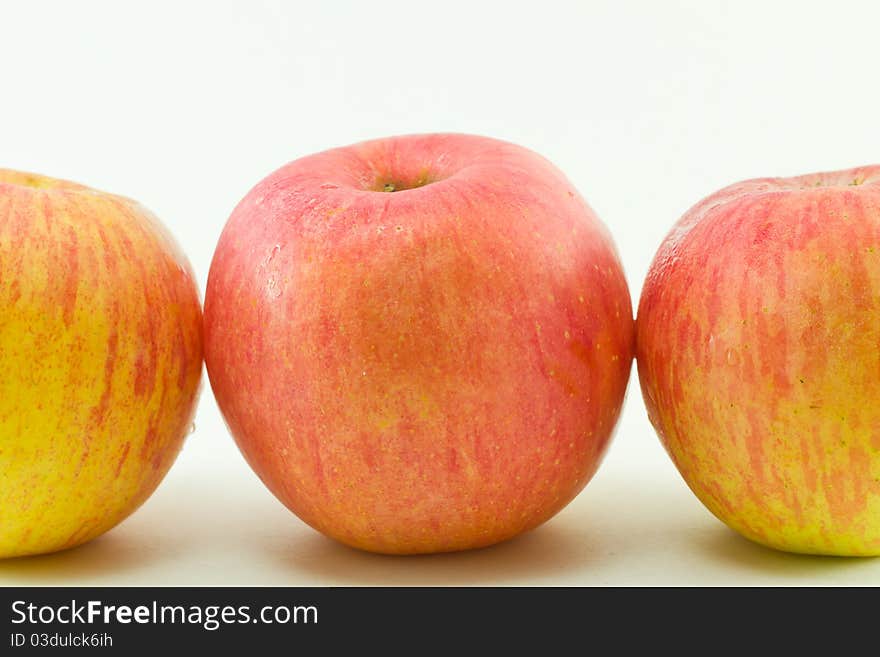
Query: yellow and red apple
100, 354
419, 343
758, 349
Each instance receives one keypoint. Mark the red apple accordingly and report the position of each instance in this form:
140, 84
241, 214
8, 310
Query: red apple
419, 343
759, 358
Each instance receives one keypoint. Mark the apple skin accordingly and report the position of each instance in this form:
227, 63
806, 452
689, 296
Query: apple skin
758, 350
100, 349
430, 369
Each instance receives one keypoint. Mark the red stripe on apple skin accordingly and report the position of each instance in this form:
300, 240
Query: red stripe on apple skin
100, 411
108, 251
71, 258
757, 351
435, 369
122, 457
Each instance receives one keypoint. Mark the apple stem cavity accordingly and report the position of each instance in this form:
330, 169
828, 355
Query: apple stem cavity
391, 186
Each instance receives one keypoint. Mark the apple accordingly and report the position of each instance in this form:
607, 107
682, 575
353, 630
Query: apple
419, 343
758, 350
100, 350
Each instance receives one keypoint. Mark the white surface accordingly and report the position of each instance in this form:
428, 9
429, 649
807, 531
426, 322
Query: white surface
646, 106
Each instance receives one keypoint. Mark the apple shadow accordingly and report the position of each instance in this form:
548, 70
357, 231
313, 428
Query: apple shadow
729, 549
549, 551
98, 562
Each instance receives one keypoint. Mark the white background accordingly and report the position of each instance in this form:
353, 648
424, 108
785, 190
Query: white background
647, 106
